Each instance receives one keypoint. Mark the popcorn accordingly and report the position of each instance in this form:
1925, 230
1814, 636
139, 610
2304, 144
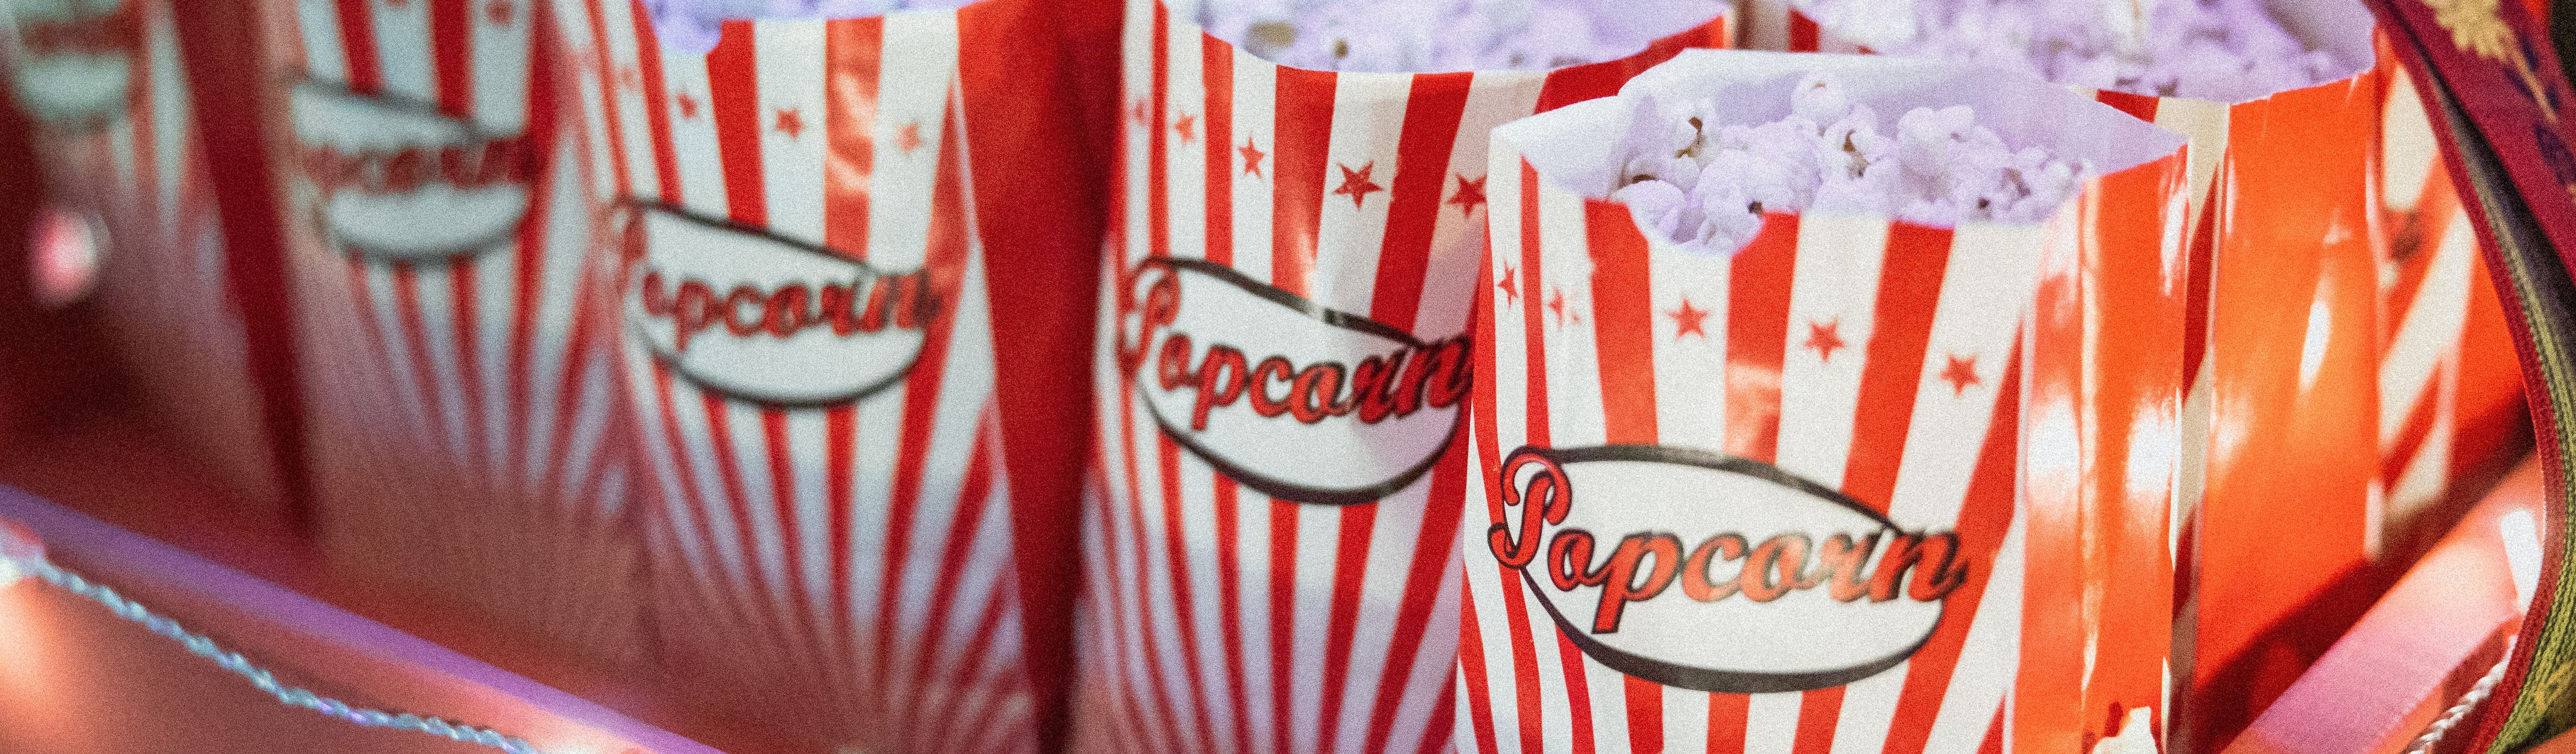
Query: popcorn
695, 25
2220, 50
1423, 36
1705, 185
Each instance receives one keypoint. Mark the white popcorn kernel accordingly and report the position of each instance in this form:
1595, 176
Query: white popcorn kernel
1938, 167
2222, 50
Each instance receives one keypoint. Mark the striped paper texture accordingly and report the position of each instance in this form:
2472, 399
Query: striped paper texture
110, 103
461, 406
808, 352
1277, 573
1979, 407
2450, 389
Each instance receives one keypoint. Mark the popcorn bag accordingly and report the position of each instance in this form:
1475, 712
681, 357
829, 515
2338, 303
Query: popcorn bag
852, 281
458, 392
111, 105
2279, 99
1282, 377
2451, 414
1860, 486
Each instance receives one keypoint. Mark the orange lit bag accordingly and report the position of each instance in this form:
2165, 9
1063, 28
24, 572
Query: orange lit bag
1857, 486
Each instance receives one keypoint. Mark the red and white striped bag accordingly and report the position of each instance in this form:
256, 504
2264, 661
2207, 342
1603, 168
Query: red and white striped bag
460, 409
853, 272
2450, 389
1278, 574
2282, 346
1923, 409
111, 105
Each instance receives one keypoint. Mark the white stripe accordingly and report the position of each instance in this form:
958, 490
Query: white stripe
1690, 370
699, 161
919, 65
1256, 92
1510, 378
1319, 530
403, 52
636, 131
1573, 371
1185, 160
1383, 592
1771, 722
2430, 329
319, 20
1485, 585
1835, 284
789, 57
2408, 151
1989, 658
1368, 120
1136, 91
500, 65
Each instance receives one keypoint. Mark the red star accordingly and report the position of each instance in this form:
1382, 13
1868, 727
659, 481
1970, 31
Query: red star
791, 122
1470, 194
1138, 113
1511, 290
1251, 157
628, 77
1687, 320
1556, 303
1356, 183
908, 137
499, 12
688, 106
1824, 338
1960, 374
1187, 127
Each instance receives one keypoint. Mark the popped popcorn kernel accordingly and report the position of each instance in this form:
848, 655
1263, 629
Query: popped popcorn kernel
2220, 50
695, 25
1423, 36
1705, 185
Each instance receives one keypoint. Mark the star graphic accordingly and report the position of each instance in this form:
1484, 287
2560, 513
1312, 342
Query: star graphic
499, 12
791, 122
1824, 338
1187, 127
908, 137
1511, 290
1251, 157
1556, 303
1470, 194
1688, 320
688, 106
1961, 373
1138, 112
1356, 183
629, 78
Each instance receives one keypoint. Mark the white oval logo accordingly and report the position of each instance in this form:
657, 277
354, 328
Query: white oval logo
399, 180
1300, 402
1709, 572
768, 319
75, 66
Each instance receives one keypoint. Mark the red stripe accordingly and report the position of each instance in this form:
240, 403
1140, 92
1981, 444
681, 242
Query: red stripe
840, 444
657, 108
1578, 694
612, 124
1805, 37
1819, 712
1757, 337
945, 258
1431, 114
1471, 663
1216, 60
1158, 211
733, 91
529, 261
1184, 604
1433, 550
1350, 571
973, 496
1229, 585
2137, 106
1302, 134
852, 49
1623, 321
1727, 714
451, 49
467, 324
1283, 623
358, 45
1578, 691
1909, 290
1982, 521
